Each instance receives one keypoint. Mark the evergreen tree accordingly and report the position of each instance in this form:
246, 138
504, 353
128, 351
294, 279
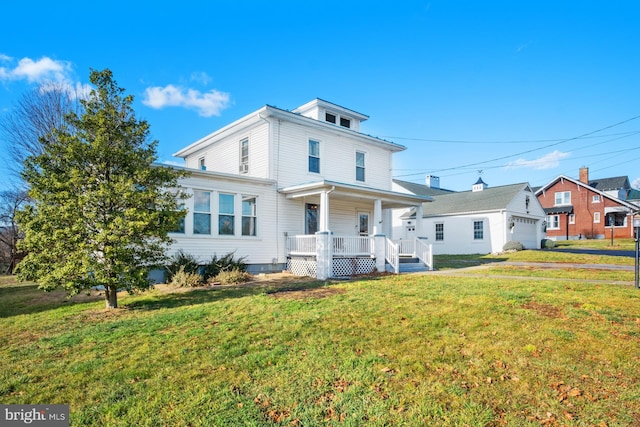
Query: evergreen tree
101, 209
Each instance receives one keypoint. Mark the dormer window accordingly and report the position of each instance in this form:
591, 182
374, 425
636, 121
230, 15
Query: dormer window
331, 118
345, 122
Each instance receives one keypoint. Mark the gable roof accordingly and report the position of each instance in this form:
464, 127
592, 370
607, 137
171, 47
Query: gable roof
608, 184
588, 187
464, 202
421, 189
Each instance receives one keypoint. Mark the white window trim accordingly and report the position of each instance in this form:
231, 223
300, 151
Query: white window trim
595, 198
319, 157
596, 217
572, 218
473, 230
550, 223
563, 202
364, 168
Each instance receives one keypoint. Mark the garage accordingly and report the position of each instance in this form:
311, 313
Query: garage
525, 231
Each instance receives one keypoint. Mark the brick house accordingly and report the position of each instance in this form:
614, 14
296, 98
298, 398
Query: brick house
583, 209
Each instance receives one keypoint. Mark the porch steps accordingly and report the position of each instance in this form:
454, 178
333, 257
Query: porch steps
409, 265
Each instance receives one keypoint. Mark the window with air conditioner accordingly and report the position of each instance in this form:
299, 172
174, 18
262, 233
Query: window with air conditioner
244, 156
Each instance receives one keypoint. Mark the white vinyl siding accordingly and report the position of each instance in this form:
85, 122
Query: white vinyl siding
336, 154
261, 248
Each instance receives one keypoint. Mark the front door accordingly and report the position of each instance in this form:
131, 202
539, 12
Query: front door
363, 223
311, 219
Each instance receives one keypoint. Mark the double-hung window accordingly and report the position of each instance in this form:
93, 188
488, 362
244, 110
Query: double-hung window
553, 222
248, 215
201, 212
180, 225
226, 214
478, 230
563, 198
244, 156
314, 156
439, 232
359, 166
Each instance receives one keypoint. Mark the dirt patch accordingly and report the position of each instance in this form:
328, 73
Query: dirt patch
315, 293
258, 280
544, 309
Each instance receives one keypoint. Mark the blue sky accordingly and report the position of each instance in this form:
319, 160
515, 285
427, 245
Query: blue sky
521, 90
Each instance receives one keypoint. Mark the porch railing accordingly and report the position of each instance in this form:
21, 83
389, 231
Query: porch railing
345, 246
301, 245
424, 252
352, 245
392, 255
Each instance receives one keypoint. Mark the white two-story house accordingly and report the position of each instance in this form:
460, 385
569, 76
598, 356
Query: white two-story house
302, 190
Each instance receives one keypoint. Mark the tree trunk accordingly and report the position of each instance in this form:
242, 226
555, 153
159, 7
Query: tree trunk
111, 296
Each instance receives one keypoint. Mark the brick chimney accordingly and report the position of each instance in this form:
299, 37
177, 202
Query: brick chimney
584, 175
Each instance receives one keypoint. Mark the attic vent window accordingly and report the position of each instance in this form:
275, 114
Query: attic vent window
331, 118
345, 122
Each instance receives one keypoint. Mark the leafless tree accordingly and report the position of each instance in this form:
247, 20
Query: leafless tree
11, 201
30, 124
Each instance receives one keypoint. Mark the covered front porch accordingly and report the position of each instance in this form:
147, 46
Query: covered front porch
345, 231
343, 256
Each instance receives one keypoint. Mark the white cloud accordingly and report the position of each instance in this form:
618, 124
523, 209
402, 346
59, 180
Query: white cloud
201, 77
636, 183
548, 161
41, 70
206, 104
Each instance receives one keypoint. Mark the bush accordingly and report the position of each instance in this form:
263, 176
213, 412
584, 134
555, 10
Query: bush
182, 262
231, 277
547, 244
225, 263
187, 279
512, 245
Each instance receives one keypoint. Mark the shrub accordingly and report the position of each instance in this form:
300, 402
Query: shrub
182, 261
513, 245
547, 244
225, 263
232, 277
187, 279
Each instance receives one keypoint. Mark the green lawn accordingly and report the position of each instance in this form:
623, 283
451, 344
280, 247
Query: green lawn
408, 350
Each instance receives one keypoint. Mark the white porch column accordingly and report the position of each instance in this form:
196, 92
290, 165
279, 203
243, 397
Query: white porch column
324, 255
379, 251
419, 214
377, 217
324, 211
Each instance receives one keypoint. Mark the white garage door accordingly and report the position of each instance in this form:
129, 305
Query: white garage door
525, 232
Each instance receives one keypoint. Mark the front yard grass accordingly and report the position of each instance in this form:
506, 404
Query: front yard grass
408, 350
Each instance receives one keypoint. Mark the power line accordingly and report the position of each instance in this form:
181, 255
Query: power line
525, 141
529, 151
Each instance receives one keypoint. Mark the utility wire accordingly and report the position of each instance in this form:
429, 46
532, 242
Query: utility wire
530, 151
